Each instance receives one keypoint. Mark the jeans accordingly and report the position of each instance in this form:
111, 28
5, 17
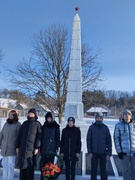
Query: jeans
128, 166
8, 164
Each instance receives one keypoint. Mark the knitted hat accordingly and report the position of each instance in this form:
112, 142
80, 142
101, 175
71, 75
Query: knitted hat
71, 119
99, 114
48, 114
127, 111
32, 110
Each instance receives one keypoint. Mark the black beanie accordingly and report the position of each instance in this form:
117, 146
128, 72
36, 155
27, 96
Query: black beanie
33, 110
71, 119
48, 114
99, 114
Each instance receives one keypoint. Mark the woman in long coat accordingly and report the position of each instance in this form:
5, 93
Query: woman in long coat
28, 144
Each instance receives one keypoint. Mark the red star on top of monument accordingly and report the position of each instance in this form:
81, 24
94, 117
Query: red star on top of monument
77, 9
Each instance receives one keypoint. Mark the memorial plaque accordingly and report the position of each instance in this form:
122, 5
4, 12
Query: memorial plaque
73, 110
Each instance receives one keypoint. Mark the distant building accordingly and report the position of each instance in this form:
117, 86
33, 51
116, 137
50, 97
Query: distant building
41, 109
22, 109
6, 105
93, 110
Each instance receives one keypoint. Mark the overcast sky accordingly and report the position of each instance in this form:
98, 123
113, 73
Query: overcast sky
106, 24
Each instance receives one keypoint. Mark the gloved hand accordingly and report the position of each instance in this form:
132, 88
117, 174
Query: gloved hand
77, 154
120, 155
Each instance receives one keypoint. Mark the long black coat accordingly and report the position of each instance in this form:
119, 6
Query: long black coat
28, 140
50, 140
70, 143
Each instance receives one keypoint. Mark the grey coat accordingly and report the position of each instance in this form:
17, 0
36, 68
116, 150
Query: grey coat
8, 136
124, 137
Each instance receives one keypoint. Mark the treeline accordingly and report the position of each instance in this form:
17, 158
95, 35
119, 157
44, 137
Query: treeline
17, 95
114, 101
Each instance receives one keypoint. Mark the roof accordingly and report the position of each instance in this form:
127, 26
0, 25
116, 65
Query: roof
44, 107
97, 109
24, 106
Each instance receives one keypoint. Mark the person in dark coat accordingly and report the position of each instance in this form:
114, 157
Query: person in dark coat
99, 146
28, 144
50, 140
70, 147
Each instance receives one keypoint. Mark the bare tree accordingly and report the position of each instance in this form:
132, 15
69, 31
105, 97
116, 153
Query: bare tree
91, 68
47, 69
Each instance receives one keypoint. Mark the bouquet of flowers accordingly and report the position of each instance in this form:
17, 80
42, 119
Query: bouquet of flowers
51, 169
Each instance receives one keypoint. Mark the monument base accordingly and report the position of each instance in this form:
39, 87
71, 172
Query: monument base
75, 110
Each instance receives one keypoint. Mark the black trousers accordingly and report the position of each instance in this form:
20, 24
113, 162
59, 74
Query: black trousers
27, 174
70, 170
101, 159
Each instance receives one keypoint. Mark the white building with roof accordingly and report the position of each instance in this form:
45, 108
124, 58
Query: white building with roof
6, 103
93, 110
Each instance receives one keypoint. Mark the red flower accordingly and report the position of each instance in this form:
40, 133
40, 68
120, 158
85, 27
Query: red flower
52, 173
59, 170
50, 169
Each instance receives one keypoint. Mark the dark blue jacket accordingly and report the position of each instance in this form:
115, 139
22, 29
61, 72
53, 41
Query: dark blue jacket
99, 139
50, 140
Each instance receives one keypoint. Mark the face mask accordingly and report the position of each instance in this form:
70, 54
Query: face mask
31, 118
98, 122
10, 121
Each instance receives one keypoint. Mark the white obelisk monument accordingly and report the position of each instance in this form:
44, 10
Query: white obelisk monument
74, 105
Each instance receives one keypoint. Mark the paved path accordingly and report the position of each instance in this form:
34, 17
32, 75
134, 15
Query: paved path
61, 177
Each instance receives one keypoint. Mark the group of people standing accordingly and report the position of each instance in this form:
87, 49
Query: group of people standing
28, 139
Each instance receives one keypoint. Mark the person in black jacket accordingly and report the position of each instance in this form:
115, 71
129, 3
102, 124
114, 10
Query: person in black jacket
28, 144
99, 146
70, 147
50, 140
